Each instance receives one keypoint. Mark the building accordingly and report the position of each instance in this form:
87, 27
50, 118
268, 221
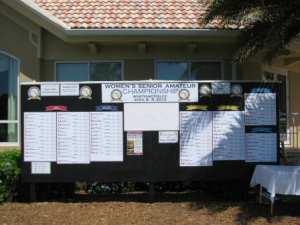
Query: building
52, 40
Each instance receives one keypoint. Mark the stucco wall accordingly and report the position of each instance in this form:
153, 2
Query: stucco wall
250, 71
137, 66
294, 92
14, 40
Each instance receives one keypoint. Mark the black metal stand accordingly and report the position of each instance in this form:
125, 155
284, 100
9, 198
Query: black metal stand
32, 194
151, 192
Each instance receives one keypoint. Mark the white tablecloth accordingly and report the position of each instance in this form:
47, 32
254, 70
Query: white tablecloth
283, 180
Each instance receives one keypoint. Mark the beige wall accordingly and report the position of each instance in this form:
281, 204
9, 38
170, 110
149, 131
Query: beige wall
14, 40
294, 92
250, 71
137, 66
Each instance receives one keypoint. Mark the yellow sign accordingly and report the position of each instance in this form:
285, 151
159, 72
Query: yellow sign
195, 107
228, 107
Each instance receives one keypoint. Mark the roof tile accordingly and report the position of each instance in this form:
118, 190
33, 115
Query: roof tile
129, 14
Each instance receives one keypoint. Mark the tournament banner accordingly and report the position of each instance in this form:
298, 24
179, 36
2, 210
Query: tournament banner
149, 92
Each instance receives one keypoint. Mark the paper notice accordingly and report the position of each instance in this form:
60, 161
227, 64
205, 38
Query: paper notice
261, 147
196, 139
135, 143
50, 90
73, 138
229, 135
106, 136
69, 89
40, 136
260, 109
41, 168
220, 88
168, 137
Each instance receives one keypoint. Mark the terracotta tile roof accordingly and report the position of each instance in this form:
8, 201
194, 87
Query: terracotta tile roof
128, 14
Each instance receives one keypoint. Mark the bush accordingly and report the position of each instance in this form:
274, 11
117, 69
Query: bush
105, 188
9, 174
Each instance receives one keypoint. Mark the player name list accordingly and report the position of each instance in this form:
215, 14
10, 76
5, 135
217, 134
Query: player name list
40, 137
229, 135
196, 138
106, 136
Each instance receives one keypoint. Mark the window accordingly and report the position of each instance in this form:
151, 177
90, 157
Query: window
9, 70
172, 70
189, 70
72, 72
89, 71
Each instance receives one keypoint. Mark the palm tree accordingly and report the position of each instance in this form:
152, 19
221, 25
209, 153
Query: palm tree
270, 25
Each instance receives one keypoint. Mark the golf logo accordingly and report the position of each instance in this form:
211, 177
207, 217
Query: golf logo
205, 90
236, 90
85, 92
184, 95
116, 95
34, 93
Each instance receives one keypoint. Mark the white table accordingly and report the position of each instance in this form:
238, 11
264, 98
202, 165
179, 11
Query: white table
284, 180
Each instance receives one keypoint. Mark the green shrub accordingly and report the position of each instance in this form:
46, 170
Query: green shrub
105, 188
9, 174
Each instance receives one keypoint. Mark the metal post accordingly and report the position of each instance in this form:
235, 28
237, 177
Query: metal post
260, 192
32, 193
151, 192
272, 206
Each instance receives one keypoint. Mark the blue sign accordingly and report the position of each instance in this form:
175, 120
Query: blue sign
106, 107
262, 130
260, 90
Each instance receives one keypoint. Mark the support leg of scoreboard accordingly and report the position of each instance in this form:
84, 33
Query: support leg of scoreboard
151, 192
32, 193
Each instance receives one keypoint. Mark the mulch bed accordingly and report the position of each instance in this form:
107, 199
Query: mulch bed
133, 208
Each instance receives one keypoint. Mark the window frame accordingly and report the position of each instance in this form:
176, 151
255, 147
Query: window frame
17, 122
88, 67
189, 62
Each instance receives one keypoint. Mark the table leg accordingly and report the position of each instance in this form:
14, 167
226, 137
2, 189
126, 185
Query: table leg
272, 206
260, 192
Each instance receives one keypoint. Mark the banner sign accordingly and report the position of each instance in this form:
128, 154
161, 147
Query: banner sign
150, 92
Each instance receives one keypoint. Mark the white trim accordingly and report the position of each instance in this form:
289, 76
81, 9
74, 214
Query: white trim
88, 66
8, 121
14, 144
275, 70
189, 66
153, 32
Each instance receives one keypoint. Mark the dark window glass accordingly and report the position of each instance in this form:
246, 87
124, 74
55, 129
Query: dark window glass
171, 70
106, 71
206, 71
8, 87
8, 132
72, 72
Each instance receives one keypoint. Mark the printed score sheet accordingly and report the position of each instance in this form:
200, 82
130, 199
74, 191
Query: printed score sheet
196, 138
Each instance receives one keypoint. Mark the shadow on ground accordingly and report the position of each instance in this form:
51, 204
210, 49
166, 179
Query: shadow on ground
248, 209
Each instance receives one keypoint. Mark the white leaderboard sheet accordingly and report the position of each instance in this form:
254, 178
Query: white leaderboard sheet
229, 135
261, 147
196, 138
73, 138
260, 108
40, 136
106, 134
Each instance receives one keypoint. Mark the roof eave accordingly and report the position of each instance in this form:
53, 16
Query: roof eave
152, 32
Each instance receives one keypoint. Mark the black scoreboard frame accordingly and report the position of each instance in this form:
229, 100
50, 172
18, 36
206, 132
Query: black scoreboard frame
159, 162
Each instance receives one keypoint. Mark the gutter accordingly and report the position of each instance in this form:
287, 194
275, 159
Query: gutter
152, 32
